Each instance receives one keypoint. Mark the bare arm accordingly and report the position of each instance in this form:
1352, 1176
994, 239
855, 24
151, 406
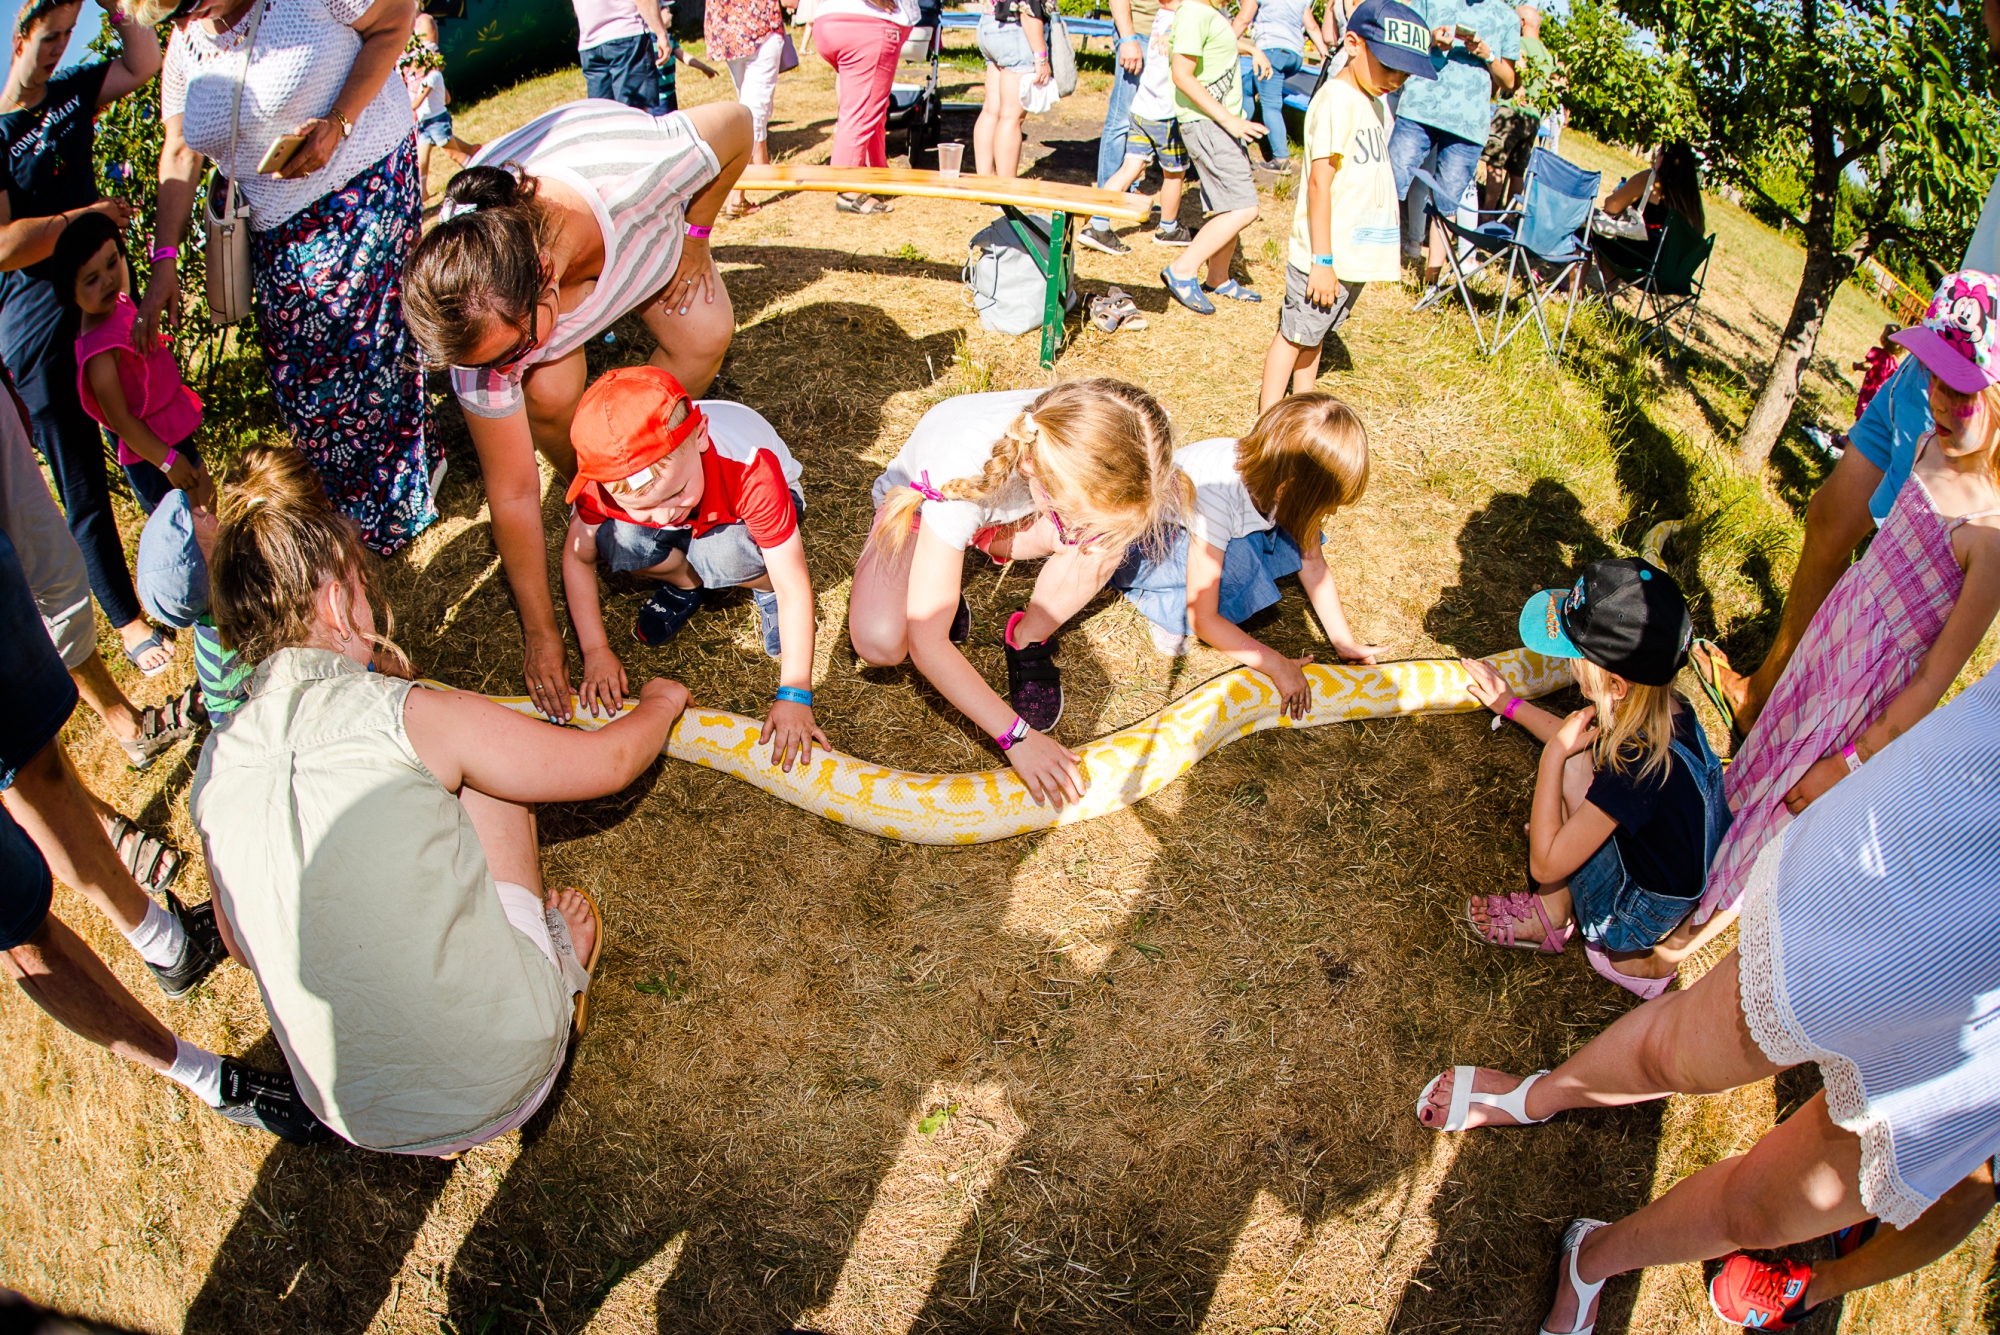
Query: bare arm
1204, 592
790, 730
467, 740
180, 171
1246, 14
1132, 47
649, 14
1971, 616
1557, 847
514, 499
385, 32
138, 61
604, 684
1325, 596
1503, 74
1205, 102
31, 240
1633, 191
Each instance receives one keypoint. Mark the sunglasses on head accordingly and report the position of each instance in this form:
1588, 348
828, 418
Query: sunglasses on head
183, 9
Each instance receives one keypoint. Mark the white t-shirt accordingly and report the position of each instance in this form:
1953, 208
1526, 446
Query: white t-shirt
1223, 510
305, 49
601, 21
1155, 99
904, 13
433, 85
954, 440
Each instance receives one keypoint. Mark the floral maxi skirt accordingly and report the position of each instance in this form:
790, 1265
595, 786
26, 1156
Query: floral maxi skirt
330, 304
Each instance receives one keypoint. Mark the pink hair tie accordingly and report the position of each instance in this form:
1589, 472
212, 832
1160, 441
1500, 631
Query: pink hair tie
922, 486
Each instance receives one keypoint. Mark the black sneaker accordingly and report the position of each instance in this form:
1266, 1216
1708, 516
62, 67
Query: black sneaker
1172, 234
665, 613
200, 952
961, 622
269, 1101
1104, 239
1034, 682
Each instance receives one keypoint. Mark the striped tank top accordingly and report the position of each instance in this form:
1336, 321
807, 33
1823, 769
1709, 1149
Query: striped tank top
638, 171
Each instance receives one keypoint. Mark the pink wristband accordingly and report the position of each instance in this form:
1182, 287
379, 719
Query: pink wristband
1005, 741
698, 232
173, 457
1512, 705
165, 253
1851, 756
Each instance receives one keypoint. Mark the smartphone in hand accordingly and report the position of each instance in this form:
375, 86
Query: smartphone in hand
279, 153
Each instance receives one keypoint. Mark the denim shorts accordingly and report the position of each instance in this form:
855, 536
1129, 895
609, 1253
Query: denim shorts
1252, 565
1005, 44
723, 557
435, 129
37, 688
1157, 141
1615, 912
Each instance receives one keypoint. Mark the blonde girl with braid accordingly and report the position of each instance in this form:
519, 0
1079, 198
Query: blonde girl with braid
1074, 477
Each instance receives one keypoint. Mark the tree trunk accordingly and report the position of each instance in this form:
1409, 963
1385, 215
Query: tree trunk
1825, 270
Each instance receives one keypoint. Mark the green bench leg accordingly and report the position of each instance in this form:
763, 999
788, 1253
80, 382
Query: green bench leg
1057, 262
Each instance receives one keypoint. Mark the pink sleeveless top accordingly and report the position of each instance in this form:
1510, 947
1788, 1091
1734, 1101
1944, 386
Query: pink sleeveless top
152, 381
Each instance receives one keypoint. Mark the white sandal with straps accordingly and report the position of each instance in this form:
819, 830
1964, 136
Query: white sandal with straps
1514, 1102
1586, 1294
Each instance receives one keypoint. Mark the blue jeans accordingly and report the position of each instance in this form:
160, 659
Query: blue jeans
1117, 126
1271, 98
623, 70
1409, 144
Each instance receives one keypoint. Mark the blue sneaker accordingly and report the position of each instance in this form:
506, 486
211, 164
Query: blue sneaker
665, 613
767, 620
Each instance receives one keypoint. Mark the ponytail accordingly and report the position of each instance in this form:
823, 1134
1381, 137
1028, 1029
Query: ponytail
279, 540
482, 262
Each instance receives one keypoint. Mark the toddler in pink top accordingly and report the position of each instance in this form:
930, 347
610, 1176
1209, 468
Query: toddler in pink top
136, 393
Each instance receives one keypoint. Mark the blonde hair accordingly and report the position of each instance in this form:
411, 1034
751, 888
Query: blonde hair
279, 539
1305, 459
1102, 450
1635, 731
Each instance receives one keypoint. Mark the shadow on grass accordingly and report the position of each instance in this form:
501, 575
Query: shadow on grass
1508, 549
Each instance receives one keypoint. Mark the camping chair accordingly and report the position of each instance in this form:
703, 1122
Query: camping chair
1671, 282
1544, 239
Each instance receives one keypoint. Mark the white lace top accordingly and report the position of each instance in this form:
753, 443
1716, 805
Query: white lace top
305, 49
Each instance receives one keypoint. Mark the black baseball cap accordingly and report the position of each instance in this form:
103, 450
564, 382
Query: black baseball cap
1626, 616
1397, 35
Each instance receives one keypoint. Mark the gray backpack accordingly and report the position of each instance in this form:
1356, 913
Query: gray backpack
1008, 289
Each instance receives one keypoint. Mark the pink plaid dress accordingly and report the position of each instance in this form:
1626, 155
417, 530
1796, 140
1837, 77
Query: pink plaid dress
1864, 644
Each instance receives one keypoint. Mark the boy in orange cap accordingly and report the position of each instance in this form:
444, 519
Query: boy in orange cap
697, 496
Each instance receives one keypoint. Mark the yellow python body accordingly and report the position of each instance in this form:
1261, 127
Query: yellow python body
1123, 767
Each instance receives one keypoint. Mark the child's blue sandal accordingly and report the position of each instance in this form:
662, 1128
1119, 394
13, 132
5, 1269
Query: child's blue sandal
1235, 291
1187, 292
665, 613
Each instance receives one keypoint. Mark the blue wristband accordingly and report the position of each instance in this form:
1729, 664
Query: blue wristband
1322, 261
795, 695
1135, 37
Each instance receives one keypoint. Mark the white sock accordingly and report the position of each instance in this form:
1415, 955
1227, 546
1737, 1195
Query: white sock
160, 938
199, 1069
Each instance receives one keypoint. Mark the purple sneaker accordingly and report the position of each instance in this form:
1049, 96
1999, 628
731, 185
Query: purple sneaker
1034, 682
961, 622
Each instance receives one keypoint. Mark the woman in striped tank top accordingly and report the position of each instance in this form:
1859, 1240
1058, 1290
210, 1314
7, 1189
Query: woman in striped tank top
584, 215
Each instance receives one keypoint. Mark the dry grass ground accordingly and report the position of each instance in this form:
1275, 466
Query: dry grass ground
1154, 1073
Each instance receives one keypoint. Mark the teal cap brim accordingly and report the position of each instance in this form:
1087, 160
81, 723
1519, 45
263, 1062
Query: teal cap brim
1541, 625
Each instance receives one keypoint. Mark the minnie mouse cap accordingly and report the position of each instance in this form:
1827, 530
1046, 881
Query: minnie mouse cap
1959, 340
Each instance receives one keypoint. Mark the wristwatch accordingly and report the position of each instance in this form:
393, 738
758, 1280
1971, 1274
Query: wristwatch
346, 125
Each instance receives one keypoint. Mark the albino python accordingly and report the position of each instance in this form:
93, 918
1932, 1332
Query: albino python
1123, 767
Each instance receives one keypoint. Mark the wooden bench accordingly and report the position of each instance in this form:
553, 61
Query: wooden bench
1055, 256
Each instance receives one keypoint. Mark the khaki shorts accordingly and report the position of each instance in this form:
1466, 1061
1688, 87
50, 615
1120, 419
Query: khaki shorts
1224, 165
1304, 325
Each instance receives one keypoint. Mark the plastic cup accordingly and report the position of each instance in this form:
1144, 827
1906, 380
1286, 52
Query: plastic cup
950, 156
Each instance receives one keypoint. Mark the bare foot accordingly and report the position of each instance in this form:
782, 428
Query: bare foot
576, 916
1438, 1110
135, 634
1528, 930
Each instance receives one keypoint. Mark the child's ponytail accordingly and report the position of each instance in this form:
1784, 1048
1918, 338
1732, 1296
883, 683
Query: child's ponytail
279, 539
481, 262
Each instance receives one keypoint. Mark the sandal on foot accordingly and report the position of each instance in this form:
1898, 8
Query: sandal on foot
1711, 688
160, 726
1235, 291
576, 973
152, 861
1586, 1294
866, 205
1503, 911
1514, 1102
1643, 988
1187, 292
146, 646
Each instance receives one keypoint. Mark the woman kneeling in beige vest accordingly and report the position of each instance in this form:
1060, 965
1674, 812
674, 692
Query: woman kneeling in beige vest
372, 846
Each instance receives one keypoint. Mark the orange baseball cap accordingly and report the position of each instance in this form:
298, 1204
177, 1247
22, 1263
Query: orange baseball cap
624, 426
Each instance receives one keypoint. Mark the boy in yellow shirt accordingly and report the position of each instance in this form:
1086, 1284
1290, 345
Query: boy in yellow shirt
1345, 230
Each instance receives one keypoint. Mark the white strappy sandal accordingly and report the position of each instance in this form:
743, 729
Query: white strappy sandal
1586, 1294
1514, 1102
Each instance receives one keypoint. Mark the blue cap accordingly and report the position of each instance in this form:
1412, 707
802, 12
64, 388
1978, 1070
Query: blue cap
170, 574
1397, 35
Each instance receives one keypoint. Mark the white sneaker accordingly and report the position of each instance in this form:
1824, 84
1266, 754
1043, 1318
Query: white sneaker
1167, 643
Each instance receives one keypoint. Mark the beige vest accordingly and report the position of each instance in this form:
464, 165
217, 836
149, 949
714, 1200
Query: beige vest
414, 1015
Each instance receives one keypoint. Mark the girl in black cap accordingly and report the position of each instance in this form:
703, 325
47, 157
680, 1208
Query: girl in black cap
1628, 809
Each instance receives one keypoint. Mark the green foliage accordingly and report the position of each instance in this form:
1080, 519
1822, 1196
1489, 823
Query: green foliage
1614, 87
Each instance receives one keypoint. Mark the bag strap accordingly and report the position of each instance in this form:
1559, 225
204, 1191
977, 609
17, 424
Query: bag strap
236, 110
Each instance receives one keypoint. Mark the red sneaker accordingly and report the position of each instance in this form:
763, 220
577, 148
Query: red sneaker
1762, 1295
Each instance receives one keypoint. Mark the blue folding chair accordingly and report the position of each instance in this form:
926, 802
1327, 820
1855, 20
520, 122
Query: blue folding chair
1544, 238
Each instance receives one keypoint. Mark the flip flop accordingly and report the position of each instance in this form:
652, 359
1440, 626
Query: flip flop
146, 646
1503, 911
576, 973
1711, 690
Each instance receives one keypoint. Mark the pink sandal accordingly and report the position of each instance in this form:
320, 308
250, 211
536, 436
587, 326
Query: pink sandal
1643, 988
1503, 911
